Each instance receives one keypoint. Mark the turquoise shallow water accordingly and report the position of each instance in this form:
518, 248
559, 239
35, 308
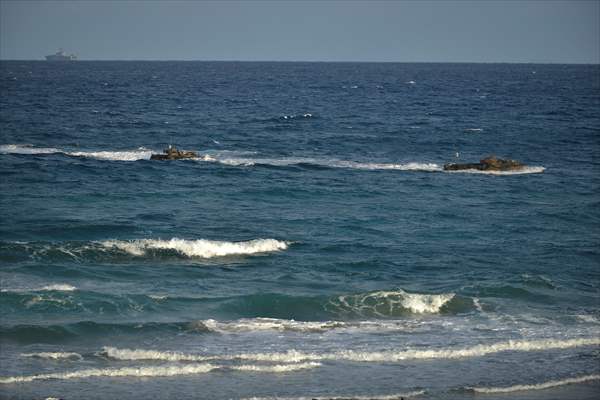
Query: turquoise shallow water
316, 248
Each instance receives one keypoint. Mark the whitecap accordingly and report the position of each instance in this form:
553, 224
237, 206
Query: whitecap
119, 372
536, 386
58, 287
388, 303
134, 155
294, 356
26, 149
54, 355
521, 171
197, 248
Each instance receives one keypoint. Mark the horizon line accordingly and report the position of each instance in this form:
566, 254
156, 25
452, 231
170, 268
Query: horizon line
311, 61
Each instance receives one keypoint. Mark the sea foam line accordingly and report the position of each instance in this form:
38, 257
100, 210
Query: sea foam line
132, 155
394, 396
520, 171
536, 386
227, 159
156, 371
292, 356
197, 248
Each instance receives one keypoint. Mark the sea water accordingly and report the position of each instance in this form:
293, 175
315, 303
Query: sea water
316, 248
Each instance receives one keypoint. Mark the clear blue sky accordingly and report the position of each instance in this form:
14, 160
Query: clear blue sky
406, 31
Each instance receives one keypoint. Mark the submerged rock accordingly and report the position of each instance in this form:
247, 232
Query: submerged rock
487, 164
171, 153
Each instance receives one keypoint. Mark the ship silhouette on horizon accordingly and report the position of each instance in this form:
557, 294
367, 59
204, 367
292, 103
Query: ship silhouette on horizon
60, 55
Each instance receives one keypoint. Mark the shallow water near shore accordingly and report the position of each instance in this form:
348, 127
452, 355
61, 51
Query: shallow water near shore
316, 248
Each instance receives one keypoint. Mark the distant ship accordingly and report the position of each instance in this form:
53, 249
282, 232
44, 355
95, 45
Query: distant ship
60, 55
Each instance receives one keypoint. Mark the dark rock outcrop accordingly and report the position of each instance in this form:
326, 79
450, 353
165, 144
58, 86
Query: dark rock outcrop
172, 153
487, 164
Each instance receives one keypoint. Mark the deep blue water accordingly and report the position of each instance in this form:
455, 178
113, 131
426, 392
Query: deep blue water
315, 248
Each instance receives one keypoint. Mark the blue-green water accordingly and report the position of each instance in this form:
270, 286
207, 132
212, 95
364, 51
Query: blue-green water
316, 248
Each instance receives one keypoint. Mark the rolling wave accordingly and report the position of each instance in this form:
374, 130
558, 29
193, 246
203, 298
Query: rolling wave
79, 251
535, 386
132, 155
54, 355
157, 371
197, 248
390, 303
294, 356
286, 325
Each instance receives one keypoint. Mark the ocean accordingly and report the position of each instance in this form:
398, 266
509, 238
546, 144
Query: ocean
316, 248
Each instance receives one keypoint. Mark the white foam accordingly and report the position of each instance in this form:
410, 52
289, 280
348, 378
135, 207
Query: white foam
232, 160
59, 287
536, 386
134, 155
26, 149
588, 318
524, 170
284, 325
387, 303
395, 396
155, 371
54, 355
114, 155
292, 356
276, 368
267, 324
474, 129
197, 248
120, 372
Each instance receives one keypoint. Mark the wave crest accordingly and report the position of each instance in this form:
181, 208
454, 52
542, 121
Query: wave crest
536, 386
134, 155
389, 303
197, 248
295, 356
521, 171
54, 355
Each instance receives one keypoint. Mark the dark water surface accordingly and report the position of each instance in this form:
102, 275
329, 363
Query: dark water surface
316, 248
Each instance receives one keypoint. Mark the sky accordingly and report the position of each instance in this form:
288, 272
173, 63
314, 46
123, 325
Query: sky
542, 31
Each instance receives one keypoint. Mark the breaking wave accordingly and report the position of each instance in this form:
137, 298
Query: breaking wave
79, 251
133, 155
55, 355
536, 386
390, 303
157, 371
228, 159
522, 171
197, 248
26, 149
294, 356
58, 287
